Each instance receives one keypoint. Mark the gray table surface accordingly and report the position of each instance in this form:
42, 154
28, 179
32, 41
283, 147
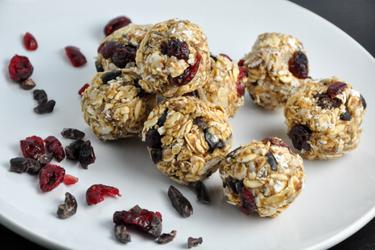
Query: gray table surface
355, 17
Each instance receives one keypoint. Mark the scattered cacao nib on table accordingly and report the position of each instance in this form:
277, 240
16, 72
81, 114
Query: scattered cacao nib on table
179, 202
50, 176
21, 165
68, 208
28, 84
122, 234
75, 56
72, 150
166, 237
72, 133
81, 151
115, 24
44, 105
193, 242
140, 219
201, 191
29, 42
95, 194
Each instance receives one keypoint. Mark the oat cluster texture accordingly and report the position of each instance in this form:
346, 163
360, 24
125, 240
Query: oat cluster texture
162, 84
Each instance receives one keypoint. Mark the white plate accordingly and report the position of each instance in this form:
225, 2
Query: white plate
339, 196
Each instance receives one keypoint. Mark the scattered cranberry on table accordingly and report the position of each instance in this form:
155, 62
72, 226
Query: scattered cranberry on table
30, 42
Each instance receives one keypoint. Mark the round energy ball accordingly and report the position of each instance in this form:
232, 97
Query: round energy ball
118, 50
224, 87
277, 66
173, 58
324, 119
262, 177
186, 137
115, 106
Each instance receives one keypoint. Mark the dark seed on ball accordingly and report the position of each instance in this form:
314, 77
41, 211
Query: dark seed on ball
300, 136
153, 138
98, 66
156, 154
346, 116
235, 185
272, 161
212, 141
108, 76
162, 118
363, 100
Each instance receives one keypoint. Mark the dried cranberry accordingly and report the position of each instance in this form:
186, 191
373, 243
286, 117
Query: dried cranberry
30, 42
335, 89
70, 179
83, 88
176, 48
54, 146
247, 200
86, 154
75, 56
241, 63
72, 133
298, 65
72, 150
225, 55
300, 135
240, 86
40, 96
188, 74
50, 176
45, 108
96, 193
272, 161
20, 68
115, 24
108, 48
32, 147
124, 55
142, 219
110, 75
153, 138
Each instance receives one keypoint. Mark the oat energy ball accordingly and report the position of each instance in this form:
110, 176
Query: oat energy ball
222, 88
186, 137
115, 106
262, 177
173, 58
324, 119
277, 66
118, 50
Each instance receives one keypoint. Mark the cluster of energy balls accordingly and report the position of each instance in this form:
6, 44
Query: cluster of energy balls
161, 83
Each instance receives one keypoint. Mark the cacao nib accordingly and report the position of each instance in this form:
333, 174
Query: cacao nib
153, 138
96, 193
115, 24
175, 47
162, 118
111, 75
45, 108
298, 65
141, 219
72, 150
212, 141
272, 161
300, 136
235, 185
193, 242
86, 154
20, 165
98, 66
166, 238
122, 234
179, 202
72, 133
68, 208
28, 84
40, 96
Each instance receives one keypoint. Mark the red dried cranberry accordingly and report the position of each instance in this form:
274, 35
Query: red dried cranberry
225, 55
50, 176
30, 42
124, 55
32, 147
107, 49
247, 204
83, 88
115, 24
335, 89
298, 65
327, 102
300, 135
70, 179
20, 68
239, 85
188, 73
54, 146
241, 63
75, 56
96, 193
142, 219
175, 47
